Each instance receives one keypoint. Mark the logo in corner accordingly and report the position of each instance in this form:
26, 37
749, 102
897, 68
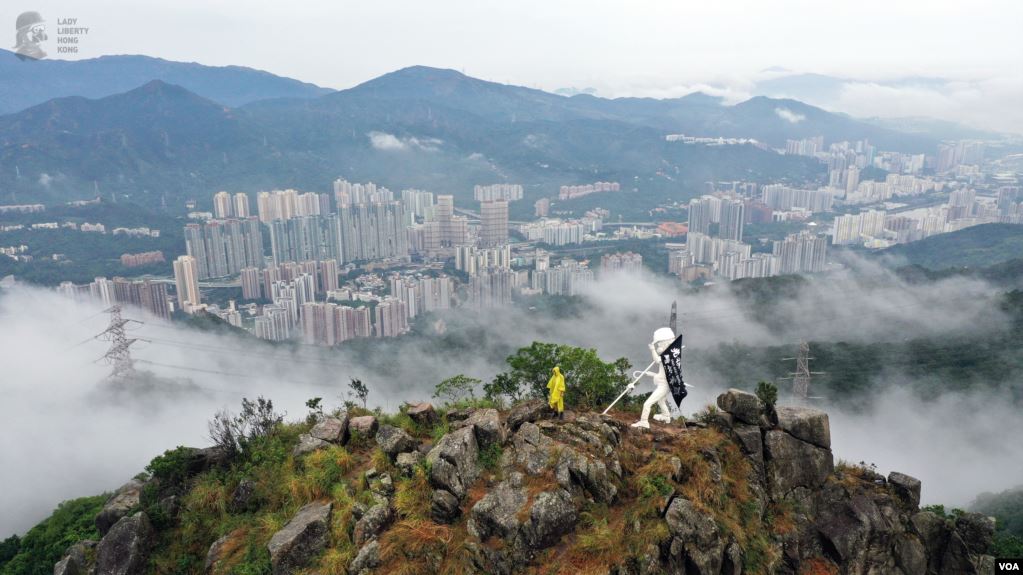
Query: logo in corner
31, 33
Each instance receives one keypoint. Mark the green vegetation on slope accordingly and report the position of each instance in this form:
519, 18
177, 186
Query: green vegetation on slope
977, 246
44, 544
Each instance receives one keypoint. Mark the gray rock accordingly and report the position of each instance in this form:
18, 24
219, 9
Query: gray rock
365, 426
243, 497
731, 563
367, 559
393, 440
590, 473
489, 430
496, 515
745, 406
125, 499
372, 523
807, 424
526, 412
124, 550
444, 506
533, 449
906, 487
422, 413
453, 462
976, 530
551, 516
74, 561
215, 553
910, 554
695, 538
301, 540
792, 463
307, 444
407, 462
752, 444
331, 429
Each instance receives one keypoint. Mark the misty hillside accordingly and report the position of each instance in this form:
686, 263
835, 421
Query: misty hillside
420, 127
28, 83
973, 247
748, 487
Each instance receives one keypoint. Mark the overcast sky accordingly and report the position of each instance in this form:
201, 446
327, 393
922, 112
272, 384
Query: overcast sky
634, 47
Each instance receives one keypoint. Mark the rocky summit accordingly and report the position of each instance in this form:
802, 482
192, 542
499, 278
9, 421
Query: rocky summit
744, 488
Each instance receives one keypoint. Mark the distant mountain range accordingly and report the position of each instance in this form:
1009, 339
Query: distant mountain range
418, 126
27, 83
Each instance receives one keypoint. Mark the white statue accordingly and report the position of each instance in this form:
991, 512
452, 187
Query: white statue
662, 339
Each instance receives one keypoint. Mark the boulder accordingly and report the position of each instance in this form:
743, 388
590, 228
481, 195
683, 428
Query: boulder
307, 444
533, 450
119, 505
588, 472
331, 429
215, 553
367, 559
526, 412
551, 516
744, 406
365, 426
372, 523
243, 497
752, 444
124, 550
976, 531
301, 540
695, 538
910, 554
74, 561
906, 488
444, 506
453, 462
489, 430
807, 424
422, 413
407, 462
393, 440
791, 463
496, 515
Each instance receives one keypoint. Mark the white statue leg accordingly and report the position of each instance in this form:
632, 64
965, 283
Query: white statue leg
661, 394
656, 397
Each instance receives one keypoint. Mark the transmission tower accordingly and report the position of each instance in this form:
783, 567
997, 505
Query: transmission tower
119, 354
801, 378
673, 319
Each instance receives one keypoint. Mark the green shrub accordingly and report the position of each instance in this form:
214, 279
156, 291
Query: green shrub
45, 544
490, 456
172, 467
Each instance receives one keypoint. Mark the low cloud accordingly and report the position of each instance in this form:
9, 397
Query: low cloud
789, 116
390, 142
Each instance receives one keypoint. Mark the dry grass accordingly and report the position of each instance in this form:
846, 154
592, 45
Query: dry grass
422, 547
412, 496
818, 566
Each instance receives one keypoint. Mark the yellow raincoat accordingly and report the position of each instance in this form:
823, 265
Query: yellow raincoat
556, 385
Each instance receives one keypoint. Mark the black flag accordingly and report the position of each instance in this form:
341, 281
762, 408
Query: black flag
671, 359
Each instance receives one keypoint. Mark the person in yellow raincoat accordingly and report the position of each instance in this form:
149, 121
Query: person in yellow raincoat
556, 385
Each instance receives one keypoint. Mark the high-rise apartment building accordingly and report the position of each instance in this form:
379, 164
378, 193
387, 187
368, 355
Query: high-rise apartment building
224, 247
494, 223
250, 283
186, 281
733, 218
241, 205
222, 206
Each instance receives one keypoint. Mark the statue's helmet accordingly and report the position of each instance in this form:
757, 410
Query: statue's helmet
664, 334
29, 19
